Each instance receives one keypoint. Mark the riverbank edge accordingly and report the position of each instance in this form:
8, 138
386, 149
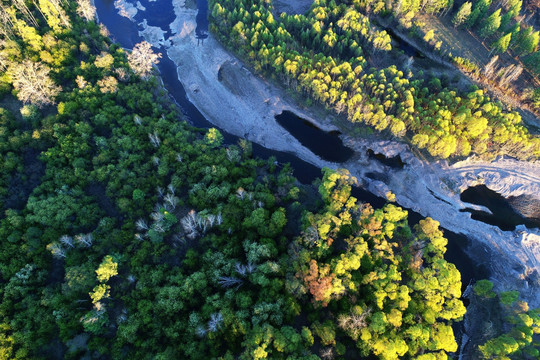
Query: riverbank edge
432, 189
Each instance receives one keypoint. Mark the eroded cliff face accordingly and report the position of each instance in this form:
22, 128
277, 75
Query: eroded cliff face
432, 189
526, 205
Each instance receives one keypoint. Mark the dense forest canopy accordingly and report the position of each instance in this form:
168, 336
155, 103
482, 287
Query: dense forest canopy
128, 234
328, 55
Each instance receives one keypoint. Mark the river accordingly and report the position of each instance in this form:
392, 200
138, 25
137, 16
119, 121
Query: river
503, 215
327, 145
125, 32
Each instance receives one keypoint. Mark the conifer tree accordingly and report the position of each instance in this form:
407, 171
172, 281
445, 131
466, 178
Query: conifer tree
505, 21
514, 7
462, 15
472, 18
501, 45
528, 42
478, 11
533, 63
515, 29
483, 6
492, 24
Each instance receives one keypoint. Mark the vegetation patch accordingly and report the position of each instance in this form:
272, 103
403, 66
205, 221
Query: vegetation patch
146, 238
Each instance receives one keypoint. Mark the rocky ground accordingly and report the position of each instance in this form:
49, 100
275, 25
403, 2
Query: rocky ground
292, 6
245, 105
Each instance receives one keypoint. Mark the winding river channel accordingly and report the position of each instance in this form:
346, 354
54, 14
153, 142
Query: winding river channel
156, 13
485, 251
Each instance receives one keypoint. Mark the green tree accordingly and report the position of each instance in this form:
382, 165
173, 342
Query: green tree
521, 325
213, 137
492, 24
462, 14
484, 288
479, 9
501, 45
138, 195
533, 63
505, 22
473, 18
527, 41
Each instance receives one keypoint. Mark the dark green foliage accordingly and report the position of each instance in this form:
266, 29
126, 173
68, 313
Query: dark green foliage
527, 41
143, 238
484, 288
491, 24
516, 339
533, 62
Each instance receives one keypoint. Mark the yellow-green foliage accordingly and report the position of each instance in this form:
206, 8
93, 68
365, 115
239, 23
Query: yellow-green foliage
107, 269
404, 291
323, 55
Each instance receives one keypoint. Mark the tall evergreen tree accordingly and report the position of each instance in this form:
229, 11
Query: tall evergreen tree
514, 7
533, 62
473, 17
463, 14
492, 24
530, 43
515, 29
483, 7
478, 11
501, 45
527, 41
505, 22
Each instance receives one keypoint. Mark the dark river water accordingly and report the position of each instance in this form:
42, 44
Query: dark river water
201, 31
125, 33
394, 162
327, 145
407, 48
502, 214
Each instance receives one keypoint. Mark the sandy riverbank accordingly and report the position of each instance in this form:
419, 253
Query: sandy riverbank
432, 189
243, 104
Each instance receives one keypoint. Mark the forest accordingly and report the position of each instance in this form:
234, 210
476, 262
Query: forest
328, 56
127, 233
504, 35
500, 24
503, 27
